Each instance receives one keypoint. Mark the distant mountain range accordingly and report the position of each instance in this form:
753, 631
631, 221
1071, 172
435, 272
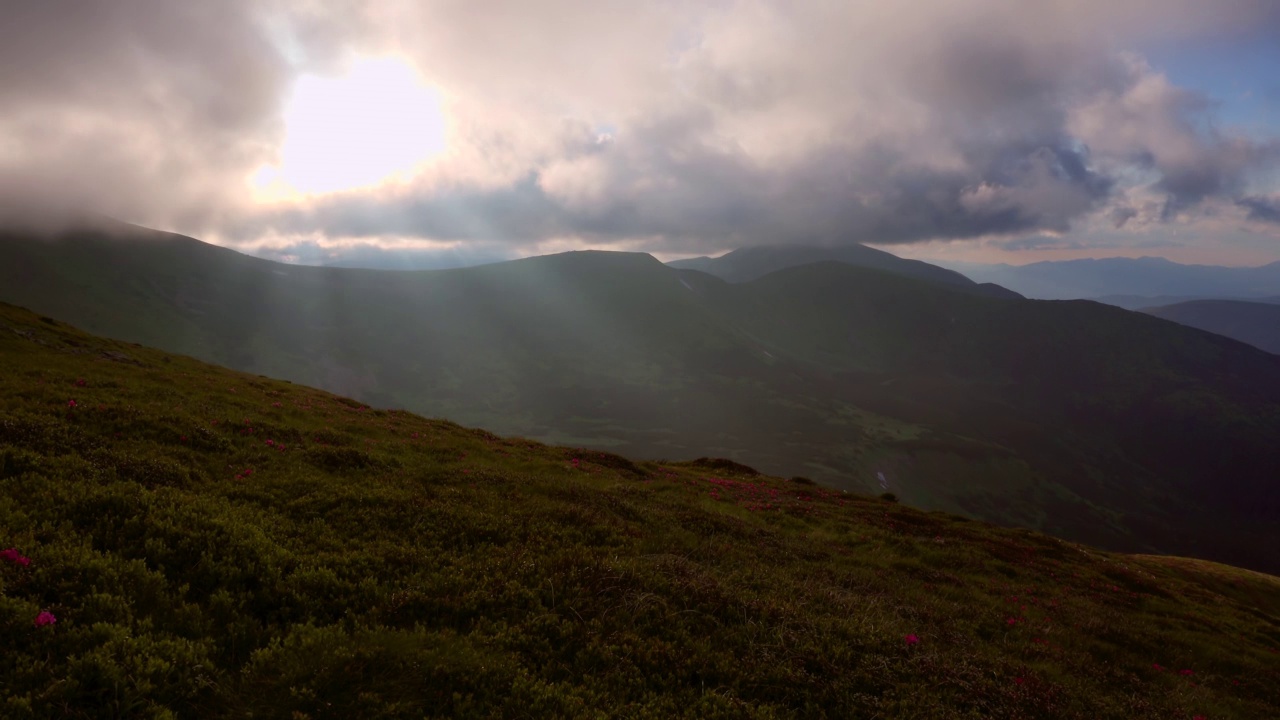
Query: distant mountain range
1117, 280
1256, 323
1076, 418
751, 263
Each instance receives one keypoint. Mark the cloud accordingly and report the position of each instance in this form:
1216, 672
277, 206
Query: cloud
134, 106
384, 256
1148, 124
1262, 209
688, 127
1086, 242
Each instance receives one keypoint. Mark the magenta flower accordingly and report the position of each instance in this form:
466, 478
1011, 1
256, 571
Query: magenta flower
1157, 666
911, 639
12, 555
71, 403
45, 618
1185, 672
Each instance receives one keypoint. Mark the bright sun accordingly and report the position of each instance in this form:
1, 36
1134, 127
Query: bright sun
375, 122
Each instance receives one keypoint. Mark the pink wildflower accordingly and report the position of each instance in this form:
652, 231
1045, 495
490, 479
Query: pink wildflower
911, 639
71, 403
1157, 666
1185, 672
15, 557
45, 618
1012, 621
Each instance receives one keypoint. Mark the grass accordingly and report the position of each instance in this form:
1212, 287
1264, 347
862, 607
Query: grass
216, 544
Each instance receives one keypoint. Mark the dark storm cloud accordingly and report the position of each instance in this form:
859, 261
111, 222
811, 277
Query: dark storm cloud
742, 122
662, 183
145, 109
136, 104
1262, 209
208, 54
1025, 121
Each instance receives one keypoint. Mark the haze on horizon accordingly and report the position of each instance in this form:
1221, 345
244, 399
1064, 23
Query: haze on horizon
977, 130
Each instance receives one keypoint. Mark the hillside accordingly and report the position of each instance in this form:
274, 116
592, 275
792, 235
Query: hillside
1255, 323
1083, 421
189, 541
746, 264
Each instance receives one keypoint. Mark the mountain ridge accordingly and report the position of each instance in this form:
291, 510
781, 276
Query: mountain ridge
751, 263
1147, 276
1255, 323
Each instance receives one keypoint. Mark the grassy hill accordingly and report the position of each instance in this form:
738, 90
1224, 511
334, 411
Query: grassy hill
1080, 420
209, 543
1255, 323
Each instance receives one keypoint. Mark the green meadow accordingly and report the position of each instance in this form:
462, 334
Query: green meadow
199, 542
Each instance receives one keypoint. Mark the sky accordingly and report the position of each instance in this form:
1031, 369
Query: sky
440, 132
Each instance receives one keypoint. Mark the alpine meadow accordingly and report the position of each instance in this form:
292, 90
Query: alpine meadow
206, 542
832, 359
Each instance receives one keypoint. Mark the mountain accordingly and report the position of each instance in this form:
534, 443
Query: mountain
1148, 276
1256, 323
1138, 302
181, 540
750, 263
1081, 420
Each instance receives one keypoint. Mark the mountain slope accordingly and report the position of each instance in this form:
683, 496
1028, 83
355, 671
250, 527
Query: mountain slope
207, 543
1147, 276
1080, 391
751, 263
1084, 421
1256, 323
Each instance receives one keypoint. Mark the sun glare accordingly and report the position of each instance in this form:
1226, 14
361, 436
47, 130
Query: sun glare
374, 123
